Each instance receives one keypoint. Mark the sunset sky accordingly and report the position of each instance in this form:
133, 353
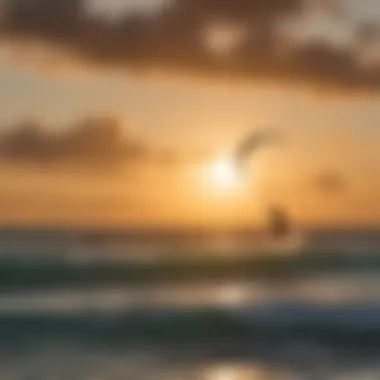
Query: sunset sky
196, 76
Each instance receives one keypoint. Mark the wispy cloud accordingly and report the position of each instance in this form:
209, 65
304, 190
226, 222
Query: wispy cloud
97, 141
330, 182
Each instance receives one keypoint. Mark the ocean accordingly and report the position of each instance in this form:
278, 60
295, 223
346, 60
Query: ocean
222, 306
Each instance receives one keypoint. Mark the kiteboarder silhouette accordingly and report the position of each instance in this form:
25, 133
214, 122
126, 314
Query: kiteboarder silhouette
278, 221
279, 225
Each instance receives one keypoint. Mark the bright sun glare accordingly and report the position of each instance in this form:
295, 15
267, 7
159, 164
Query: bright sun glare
224, 174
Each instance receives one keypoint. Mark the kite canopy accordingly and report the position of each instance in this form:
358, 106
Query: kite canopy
251, 144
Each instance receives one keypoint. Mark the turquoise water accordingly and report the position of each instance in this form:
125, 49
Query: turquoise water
72, 310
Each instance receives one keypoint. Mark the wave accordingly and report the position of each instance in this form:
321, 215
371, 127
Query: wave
356, 326
20, 274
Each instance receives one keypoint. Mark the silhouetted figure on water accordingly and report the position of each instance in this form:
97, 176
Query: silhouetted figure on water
278, 223
282, 233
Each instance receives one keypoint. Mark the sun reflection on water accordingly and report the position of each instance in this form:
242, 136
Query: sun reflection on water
236, 372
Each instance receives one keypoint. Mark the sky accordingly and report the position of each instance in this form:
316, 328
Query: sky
318, 86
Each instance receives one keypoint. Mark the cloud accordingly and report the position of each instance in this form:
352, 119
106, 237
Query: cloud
94, 141
174, 40
330, 182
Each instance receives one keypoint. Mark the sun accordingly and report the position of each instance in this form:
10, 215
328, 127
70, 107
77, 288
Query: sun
224, 173
222, 179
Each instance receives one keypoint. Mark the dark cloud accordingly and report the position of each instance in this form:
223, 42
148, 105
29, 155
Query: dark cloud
368, 33
174, 39
94, 141
245, 10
